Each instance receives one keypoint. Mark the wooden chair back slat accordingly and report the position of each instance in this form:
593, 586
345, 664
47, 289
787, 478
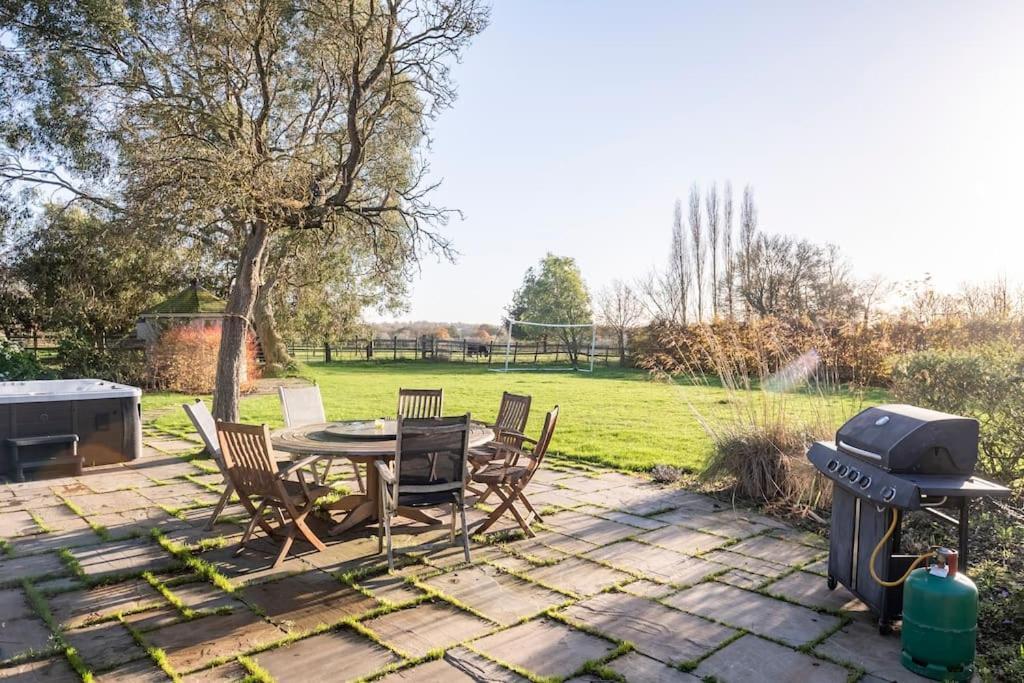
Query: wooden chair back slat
431, 454
248, 459
420, 403
301, 405
512, 416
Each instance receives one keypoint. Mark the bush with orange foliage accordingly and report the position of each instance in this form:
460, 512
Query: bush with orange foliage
849, 351
184, 359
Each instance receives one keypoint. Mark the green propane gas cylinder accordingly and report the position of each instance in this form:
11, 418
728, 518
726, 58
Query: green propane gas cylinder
940, 620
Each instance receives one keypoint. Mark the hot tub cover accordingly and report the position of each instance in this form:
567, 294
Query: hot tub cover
35, 391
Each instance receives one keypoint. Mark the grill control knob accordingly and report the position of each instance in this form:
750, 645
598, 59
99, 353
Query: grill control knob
854, 475
865, 482
843, 469
888, 493
832, 465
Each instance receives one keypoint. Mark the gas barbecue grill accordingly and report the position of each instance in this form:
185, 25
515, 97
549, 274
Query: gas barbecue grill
900, 457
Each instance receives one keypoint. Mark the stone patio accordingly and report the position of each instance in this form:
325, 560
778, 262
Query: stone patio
626, 578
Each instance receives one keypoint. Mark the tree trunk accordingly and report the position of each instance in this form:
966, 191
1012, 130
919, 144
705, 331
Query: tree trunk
234, 327
275, 351
622, 348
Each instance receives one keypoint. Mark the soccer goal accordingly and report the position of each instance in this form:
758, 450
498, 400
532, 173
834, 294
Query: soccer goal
548, 356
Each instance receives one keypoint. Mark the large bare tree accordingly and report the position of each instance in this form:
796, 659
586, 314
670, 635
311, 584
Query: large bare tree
729, 276
679, 269
711, 210
233, 121
699, 250
748, 228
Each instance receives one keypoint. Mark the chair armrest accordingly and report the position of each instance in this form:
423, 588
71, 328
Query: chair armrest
384, 472
297, 465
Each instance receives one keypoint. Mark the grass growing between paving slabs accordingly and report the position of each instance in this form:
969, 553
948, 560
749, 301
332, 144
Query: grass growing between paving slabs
616, 417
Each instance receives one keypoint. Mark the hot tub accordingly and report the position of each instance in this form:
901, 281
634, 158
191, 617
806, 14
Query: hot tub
105, 416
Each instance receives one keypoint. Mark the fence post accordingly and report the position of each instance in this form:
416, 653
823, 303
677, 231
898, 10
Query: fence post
327, 352
369, 349
490, 351
394, 347
515, 352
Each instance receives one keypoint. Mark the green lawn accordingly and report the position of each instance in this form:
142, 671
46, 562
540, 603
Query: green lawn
615, 417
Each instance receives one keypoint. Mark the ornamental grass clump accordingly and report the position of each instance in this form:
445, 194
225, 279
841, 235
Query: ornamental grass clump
772, 412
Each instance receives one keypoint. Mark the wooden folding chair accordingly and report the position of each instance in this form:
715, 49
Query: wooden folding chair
509, 428
509, 477
304, 406
429, 470
249, 461
420, 403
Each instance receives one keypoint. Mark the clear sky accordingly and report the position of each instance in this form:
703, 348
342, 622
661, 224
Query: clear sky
895, 130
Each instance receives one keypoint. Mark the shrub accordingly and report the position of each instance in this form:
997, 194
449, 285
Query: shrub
81, 359
18, 364
184, 359
985, 382
849, 351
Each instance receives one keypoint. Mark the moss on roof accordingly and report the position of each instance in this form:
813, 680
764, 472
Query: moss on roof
191, 300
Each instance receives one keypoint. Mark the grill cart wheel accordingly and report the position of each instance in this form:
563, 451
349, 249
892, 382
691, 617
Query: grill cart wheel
832, 583
884, 627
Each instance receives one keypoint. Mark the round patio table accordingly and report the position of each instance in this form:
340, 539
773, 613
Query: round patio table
348, 440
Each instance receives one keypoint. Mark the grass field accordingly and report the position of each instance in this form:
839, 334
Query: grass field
614, 417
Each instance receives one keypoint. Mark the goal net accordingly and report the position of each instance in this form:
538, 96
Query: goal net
552, 346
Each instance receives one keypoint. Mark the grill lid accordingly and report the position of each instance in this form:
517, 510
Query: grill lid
908, 439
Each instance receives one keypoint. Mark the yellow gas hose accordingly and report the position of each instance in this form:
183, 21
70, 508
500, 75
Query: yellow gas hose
878, 549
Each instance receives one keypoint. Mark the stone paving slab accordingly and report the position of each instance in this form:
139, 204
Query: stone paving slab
859, 644
390, 588
754, 612
776, 550
105, 646
425, 627
812, 590
458, 665
755, 659
648, 589
18, 523
122, 557
19, 637
741, 579
14, 569
683, 540
77, 608
13, 604
637, 668
190, 645
751, 565
500, 597
657, 631
594, 529
304, 601
544, 647
577, 576
232, 672
56, 670
140, 671
729, 523
658, 564
334, 656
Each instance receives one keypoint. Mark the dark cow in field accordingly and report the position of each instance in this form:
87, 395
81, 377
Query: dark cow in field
474, 349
